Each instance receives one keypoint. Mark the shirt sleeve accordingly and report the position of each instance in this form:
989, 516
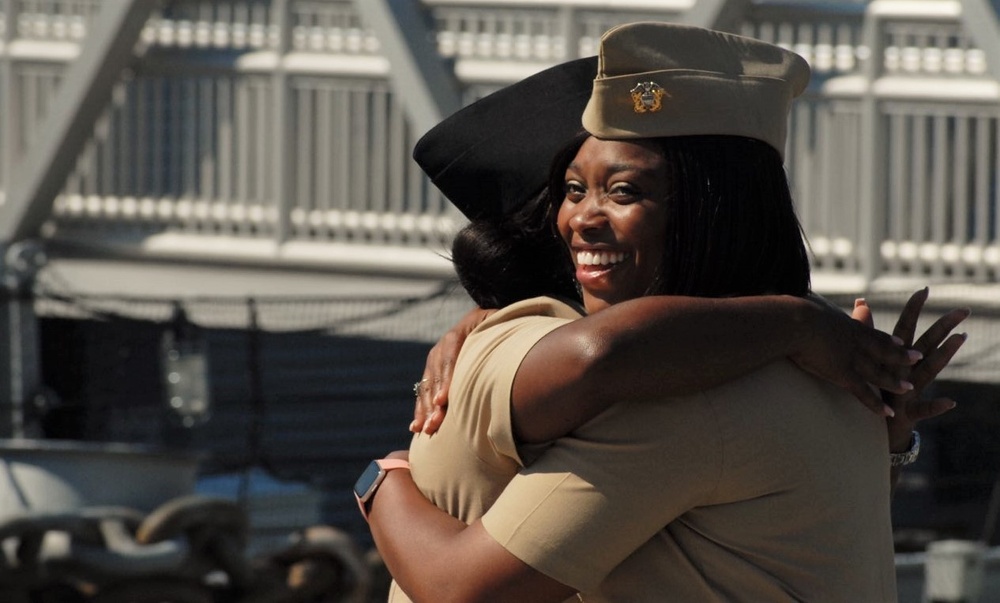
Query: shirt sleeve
596, 496
492, 355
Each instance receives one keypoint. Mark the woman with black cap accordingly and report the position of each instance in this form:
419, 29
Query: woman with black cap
767, 488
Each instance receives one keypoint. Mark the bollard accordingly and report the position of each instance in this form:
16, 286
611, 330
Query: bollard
954, 571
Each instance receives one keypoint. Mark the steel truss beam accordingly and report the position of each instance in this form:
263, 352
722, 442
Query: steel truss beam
39, 175
422, 81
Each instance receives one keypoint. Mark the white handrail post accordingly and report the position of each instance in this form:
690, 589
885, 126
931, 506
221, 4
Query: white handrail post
871, 205
282, 157
571, 32
11, 108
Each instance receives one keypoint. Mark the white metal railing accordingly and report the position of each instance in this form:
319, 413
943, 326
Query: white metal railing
189, 145
500, 33
831, 40
316, 26
196, 155
56, 20
938, 49
195, 152
934, 113
941, 211
540, 31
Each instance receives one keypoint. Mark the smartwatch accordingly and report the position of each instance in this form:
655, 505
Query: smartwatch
371, 479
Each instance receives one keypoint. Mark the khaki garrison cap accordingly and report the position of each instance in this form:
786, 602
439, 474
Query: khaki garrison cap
662, 79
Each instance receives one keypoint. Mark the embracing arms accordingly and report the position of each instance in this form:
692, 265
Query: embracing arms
436, 557
666, 345
655, 346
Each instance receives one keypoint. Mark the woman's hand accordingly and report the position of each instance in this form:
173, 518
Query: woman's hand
432, 390
938, 345
856, 357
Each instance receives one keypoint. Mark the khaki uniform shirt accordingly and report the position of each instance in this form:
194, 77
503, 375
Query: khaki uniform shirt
465, 465
774, 487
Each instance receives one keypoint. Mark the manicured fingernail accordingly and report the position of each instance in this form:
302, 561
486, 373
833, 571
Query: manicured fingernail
427, 424
859, 302
413, 426
888, 411
914, 355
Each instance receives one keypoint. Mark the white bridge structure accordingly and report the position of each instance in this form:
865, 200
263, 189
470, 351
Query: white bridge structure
279, 132
191, 147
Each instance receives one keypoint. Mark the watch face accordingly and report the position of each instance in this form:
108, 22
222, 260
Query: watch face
368, 479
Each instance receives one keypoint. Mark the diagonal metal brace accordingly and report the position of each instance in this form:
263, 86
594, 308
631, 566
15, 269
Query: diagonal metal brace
421, 79
41, 172
981, 19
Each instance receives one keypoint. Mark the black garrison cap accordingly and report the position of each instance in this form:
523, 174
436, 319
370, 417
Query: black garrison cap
494, 154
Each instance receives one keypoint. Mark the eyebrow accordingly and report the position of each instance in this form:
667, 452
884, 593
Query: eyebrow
616, 168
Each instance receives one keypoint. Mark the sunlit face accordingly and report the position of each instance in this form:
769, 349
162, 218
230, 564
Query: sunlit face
613, 217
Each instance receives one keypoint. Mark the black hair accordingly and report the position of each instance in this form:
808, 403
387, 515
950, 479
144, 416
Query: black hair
500, 262
731, 224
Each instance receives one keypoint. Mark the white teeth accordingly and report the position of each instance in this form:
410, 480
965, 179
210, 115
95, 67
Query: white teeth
599, 258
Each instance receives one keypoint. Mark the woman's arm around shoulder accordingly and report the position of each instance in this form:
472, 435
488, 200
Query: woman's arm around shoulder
658, 346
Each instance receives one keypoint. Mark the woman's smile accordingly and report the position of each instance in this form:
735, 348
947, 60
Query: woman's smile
599, 258
595, 269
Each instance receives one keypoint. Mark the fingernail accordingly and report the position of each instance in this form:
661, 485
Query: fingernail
914, 355
427, 424
906, 386
888, 411
896, 339
859, 302
413, 426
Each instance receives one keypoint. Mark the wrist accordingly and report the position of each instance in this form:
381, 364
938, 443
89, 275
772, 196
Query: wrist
403, 455
899, 459
371, 478
900, 440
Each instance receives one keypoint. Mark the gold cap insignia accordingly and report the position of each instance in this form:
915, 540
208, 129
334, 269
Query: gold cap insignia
647, 96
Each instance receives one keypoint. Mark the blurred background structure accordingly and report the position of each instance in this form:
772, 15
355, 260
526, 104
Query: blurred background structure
213, 239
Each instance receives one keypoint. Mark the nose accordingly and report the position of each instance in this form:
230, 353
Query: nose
589, 213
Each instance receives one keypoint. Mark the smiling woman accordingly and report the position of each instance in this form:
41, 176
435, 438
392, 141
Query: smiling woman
747, 491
